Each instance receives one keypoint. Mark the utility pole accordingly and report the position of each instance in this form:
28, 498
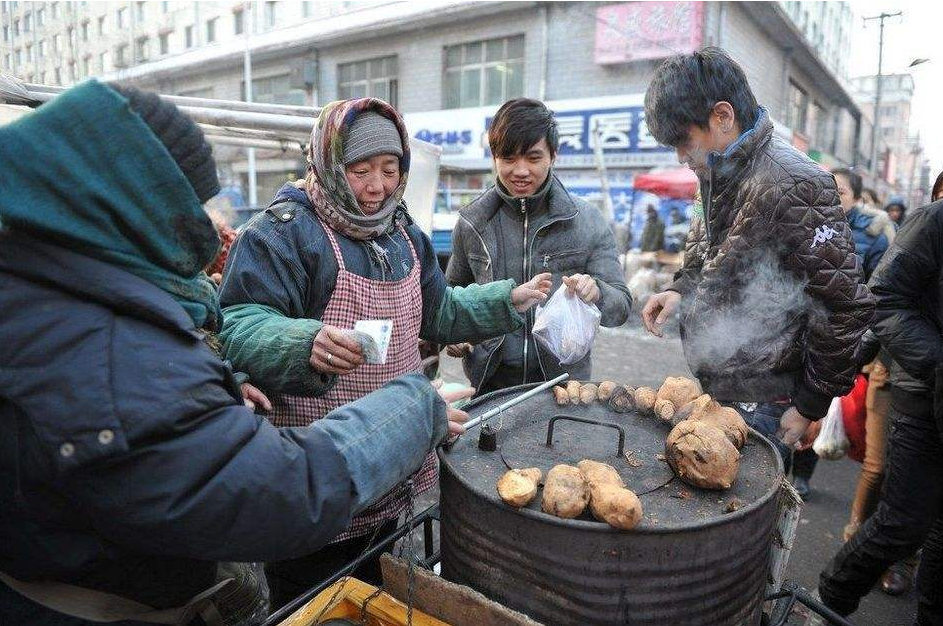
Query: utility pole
247, 79
877, 90
608, 209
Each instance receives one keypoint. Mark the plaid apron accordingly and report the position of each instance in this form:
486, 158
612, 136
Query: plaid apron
357, 298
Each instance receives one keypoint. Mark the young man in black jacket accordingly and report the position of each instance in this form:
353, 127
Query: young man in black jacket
908, 285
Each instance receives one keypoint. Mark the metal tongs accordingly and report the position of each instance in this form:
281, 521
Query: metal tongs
514, 401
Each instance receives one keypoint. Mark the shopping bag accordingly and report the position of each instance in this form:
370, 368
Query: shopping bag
832, 443
566, 326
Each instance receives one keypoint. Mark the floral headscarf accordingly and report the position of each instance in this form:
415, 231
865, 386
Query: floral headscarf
326, 179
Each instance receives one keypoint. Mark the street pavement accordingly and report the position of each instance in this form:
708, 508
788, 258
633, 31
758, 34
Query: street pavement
629, 354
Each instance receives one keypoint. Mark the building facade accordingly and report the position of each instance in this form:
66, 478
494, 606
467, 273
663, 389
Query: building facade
447, 67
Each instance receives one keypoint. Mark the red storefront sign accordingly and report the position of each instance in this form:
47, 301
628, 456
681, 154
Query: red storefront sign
632, 31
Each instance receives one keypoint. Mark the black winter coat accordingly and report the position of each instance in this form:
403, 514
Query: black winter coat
908, 285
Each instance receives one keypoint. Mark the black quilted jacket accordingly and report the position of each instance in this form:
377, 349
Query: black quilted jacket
773, 302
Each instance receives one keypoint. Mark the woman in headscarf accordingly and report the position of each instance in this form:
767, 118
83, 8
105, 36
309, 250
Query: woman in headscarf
333, 249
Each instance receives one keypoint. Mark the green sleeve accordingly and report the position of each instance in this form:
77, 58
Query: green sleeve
273, 349
473, 314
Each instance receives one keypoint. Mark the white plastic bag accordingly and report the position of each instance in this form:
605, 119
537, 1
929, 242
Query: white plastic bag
832, 443
566, 326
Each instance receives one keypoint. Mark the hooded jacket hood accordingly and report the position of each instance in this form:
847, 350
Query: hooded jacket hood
86, 173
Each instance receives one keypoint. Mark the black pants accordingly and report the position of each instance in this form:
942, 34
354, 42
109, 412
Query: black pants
803, 463
909, 514
289, 579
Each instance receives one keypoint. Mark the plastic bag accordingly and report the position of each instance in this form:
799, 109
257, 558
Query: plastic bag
566, 326
832, 443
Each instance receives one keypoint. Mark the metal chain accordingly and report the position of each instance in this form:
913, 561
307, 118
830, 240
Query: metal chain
343, 580
411, 566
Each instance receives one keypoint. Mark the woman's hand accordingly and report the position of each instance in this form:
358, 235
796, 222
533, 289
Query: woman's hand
335, 352
457, 417
523, 297
584, 286
253, 397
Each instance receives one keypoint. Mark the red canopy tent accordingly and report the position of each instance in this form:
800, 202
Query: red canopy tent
678, 183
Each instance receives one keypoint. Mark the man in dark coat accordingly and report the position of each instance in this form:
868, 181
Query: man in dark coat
908, 285
129, 465
653, 235
772, 302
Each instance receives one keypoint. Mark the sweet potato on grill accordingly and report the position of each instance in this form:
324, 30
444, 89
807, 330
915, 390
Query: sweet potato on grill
645, 398
561, 396
588, 393
617, 506
692, 408
664, 409
622, 399
518, 487
596, 473
573, 390
701, 455
679, 391
605, 390
727, 419
566, 492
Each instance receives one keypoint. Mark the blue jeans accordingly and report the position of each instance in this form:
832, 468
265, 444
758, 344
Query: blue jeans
765, 420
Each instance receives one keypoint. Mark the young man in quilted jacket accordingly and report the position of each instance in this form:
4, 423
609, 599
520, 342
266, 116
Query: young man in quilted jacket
771, 295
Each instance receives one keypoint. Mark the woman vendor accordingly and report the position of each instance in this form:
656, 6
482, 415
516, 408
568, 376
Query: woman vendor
333, 249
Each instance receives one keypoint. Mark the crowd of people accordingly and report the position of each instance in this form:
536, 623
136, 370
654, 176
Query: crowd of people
171, 420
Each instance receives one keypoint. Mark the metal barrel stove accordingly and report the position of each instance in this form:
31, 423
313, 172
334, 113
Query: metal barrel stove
688, 563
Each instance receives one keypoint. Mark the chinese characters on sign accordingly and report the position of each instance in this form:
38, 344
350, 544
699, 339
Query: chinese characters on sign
632, 31
621, 132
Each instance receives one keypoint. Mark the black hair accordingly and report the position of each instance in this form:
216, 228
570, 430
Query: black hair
854, 180
937, 186
685, 89
519, 124
873, 193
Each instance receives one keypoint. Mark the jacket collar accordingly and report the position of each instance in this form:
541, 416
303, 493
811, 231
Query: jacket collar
560, 205
91, 279
727, 163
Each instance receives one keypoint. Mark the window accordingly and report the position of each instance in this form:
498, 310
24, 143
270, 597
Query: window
19, 58
139, 12
16, 28
87, 65
164, 7
42, 49
6, 33
85, 30
307, 9
40, 17
30, 54
8, 61
42, 78
73, 72
140, 49
27, 22
122, 18
271, 11
58, 76
275, 90
239, 22
103, 25
72, 38
56, 43
164, 40
797, 106
121, 55
188, 36
374, 78
484, 72
211, 30
55, 10
104, 64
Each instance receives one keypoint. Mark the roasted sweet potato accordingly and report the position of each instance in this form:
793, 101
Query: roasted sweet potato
645, 400
588, 393
622, 399
701, 455
573, 390
596, 473
727, 419
566, 492
617, 506
664, 409
605, 390
679, 391
693, 407
561, 396
518, 487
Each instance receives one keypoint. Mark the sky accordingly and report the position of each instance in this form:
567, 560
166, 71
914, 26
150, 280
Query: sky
916, 34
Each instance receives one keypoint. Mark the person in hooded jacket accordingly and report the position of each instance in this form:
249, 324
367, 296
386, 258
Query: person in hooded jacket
129, 466
333, 249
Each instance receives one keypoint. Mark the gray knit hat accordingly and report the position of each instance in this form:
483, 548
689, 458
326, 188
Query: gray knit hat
371, 134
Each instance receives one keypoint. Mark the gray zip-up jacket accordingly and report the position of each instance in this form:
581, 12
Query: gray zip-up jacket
572, 237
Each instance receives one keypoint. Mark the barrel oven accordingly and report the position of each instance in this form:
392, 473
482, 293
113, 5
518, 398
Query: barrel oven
698, 558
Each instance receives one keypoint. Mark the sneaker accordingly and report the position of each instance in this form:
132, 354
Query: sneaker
802, 486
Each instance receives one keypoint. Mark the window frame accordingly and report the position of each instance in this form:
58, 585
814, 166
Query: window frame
455, 100
389, 77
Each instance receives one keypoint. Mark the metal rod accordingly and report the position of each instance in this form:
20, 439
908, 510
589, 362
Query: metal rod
515, 401
261, 144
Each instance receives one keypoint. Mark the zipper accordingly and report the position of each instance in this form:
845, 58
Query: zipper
707, 207
484, 372
525, 267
